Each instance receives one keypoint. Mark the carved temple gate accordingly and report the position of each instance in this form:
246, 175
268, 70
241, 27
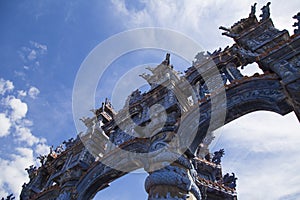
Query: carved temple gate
182, 169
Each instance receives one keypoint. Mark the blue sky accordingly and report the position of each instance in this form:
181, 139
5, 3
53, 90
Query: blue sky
43, 44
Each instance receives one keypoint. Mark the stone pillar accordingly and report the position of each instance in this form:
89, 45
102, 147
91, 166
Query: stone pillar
68, 181
290, 75
171, 173
175, 181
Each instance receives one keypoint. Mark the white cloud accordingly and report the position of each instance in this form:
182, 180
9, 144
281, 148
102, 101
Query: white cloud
19, 108
25, 67
262, 148
13, 173
42, 149
5, 86
20, 74
33, 92
15, 125
40, 47
32, 55
23, 134
21, 93
199, 19
194, 18
4, 125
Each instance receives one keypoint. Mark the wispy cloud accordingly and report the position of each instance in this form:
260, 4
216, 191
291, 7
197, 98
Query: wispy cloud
198, 19
33, 92
32, 54
5, 86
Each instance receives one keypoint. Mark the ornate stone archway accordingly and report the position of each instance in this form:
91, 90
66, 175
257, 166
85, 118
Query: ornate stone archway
80, 170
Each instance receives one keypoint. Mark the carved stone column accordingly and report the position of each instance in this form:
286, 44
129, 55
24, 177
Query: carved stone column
68, 181
290, 75
171, 173
174, 181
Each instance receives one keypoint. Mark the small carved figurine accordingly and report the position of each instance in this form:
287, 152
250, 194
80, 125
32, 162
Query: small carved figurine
42, 159
230, 180
167, 60
253, 10
297, 24
265, 12
217, 156
9, 197
68, 143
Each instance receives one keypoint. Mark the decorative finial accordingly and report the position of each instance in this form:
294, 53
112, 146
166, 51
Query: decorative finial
167, 60
265, 12
253, 11
297, 24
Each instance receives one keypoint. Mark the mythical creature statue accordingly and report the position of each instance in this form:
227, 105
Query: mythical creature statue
246, 56
265, 12
68, 143
297, 24
217, 156
228, 32
253, 10
167, 60
42, 159
31, 171
9, 197
230, 180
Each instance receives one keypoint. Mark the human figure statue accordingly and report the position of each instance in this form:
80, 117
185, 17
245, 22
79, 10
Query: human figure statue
265, 12
253, 10
297, 24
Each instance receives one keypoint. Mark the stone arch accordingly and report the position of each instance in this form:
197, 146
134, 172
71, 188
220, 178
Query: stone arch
99, 176
263, 92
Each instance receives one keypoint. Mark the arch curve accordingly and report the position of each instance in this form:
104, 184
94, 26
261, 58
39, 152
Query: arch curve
258, 93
